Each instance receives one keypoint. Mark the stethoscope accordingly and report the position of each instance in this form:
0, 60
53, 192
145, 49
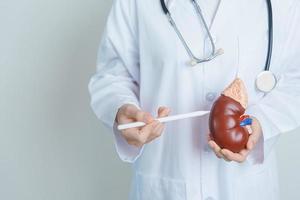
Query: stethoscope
265, 81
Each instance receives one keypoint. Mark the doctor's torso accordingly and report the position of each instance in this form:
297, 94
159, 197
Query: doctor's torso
166, 78
179, 165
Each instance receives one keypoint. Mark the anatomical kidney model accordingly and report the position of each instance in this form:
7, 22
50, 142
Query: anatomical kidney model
225, 117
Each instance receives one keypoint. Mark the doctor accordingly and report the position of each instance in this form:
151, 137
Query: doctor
145, 70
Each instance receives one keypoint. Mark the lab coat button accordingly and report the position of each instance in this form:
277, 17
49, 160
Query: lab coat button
210, 96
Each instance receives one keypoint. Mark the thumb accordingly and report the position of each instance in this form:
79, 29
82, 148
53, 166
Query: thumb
135, 114
256, 133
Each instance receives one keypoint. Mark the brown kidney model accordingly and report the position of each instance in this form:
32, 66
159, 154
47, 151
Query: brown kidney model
224, 119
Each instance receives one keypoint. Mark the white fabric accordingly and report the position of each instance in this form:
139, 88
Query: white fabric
142, 62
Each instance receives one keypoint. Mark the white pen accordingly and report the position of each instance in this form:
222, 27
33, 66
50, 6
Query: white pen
164, 119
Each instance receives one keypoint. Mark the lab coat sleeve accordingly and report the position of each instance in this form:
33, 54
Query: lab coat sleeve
279, 111
116, 80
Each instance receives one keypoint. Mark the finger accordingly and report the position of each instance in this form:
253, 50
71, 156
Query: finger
250, 143
229, 155
158, 130
253, 139
146, 131
134, 143
132, 136
130, 133
163, 111
233, 156
218, 151
138, 137
215, 148
244, 153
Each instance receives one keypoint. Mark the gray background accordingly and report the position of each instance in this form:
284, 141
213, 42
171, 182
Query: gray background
51, 145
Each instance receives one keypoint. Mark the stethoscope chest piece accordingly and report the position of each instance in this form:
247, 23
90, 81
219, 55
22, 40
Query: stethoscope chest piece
266, 81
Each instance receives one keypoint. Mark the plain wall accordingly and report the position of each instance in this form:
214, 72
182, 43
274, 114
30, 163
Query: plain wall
52, 147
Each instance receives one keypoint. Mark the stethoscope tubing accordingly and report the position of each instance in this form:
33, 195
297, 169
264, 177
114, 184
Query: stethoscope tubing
194, 59
270, 35
213, 55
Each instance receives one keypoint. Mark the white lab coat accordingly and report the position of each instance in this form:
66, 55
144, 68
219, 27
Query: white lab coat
142, 62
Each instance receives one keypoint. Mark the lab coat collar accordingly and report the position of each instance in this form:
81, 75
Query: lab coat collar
225, 18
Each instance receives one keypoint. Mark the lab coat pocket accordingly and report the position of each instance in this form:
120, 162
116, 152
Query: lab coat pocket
255, 186
159, 188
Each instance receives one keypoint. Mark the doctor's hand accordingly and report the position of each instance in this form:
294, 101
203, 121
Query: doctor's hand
139, 136
242, 155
